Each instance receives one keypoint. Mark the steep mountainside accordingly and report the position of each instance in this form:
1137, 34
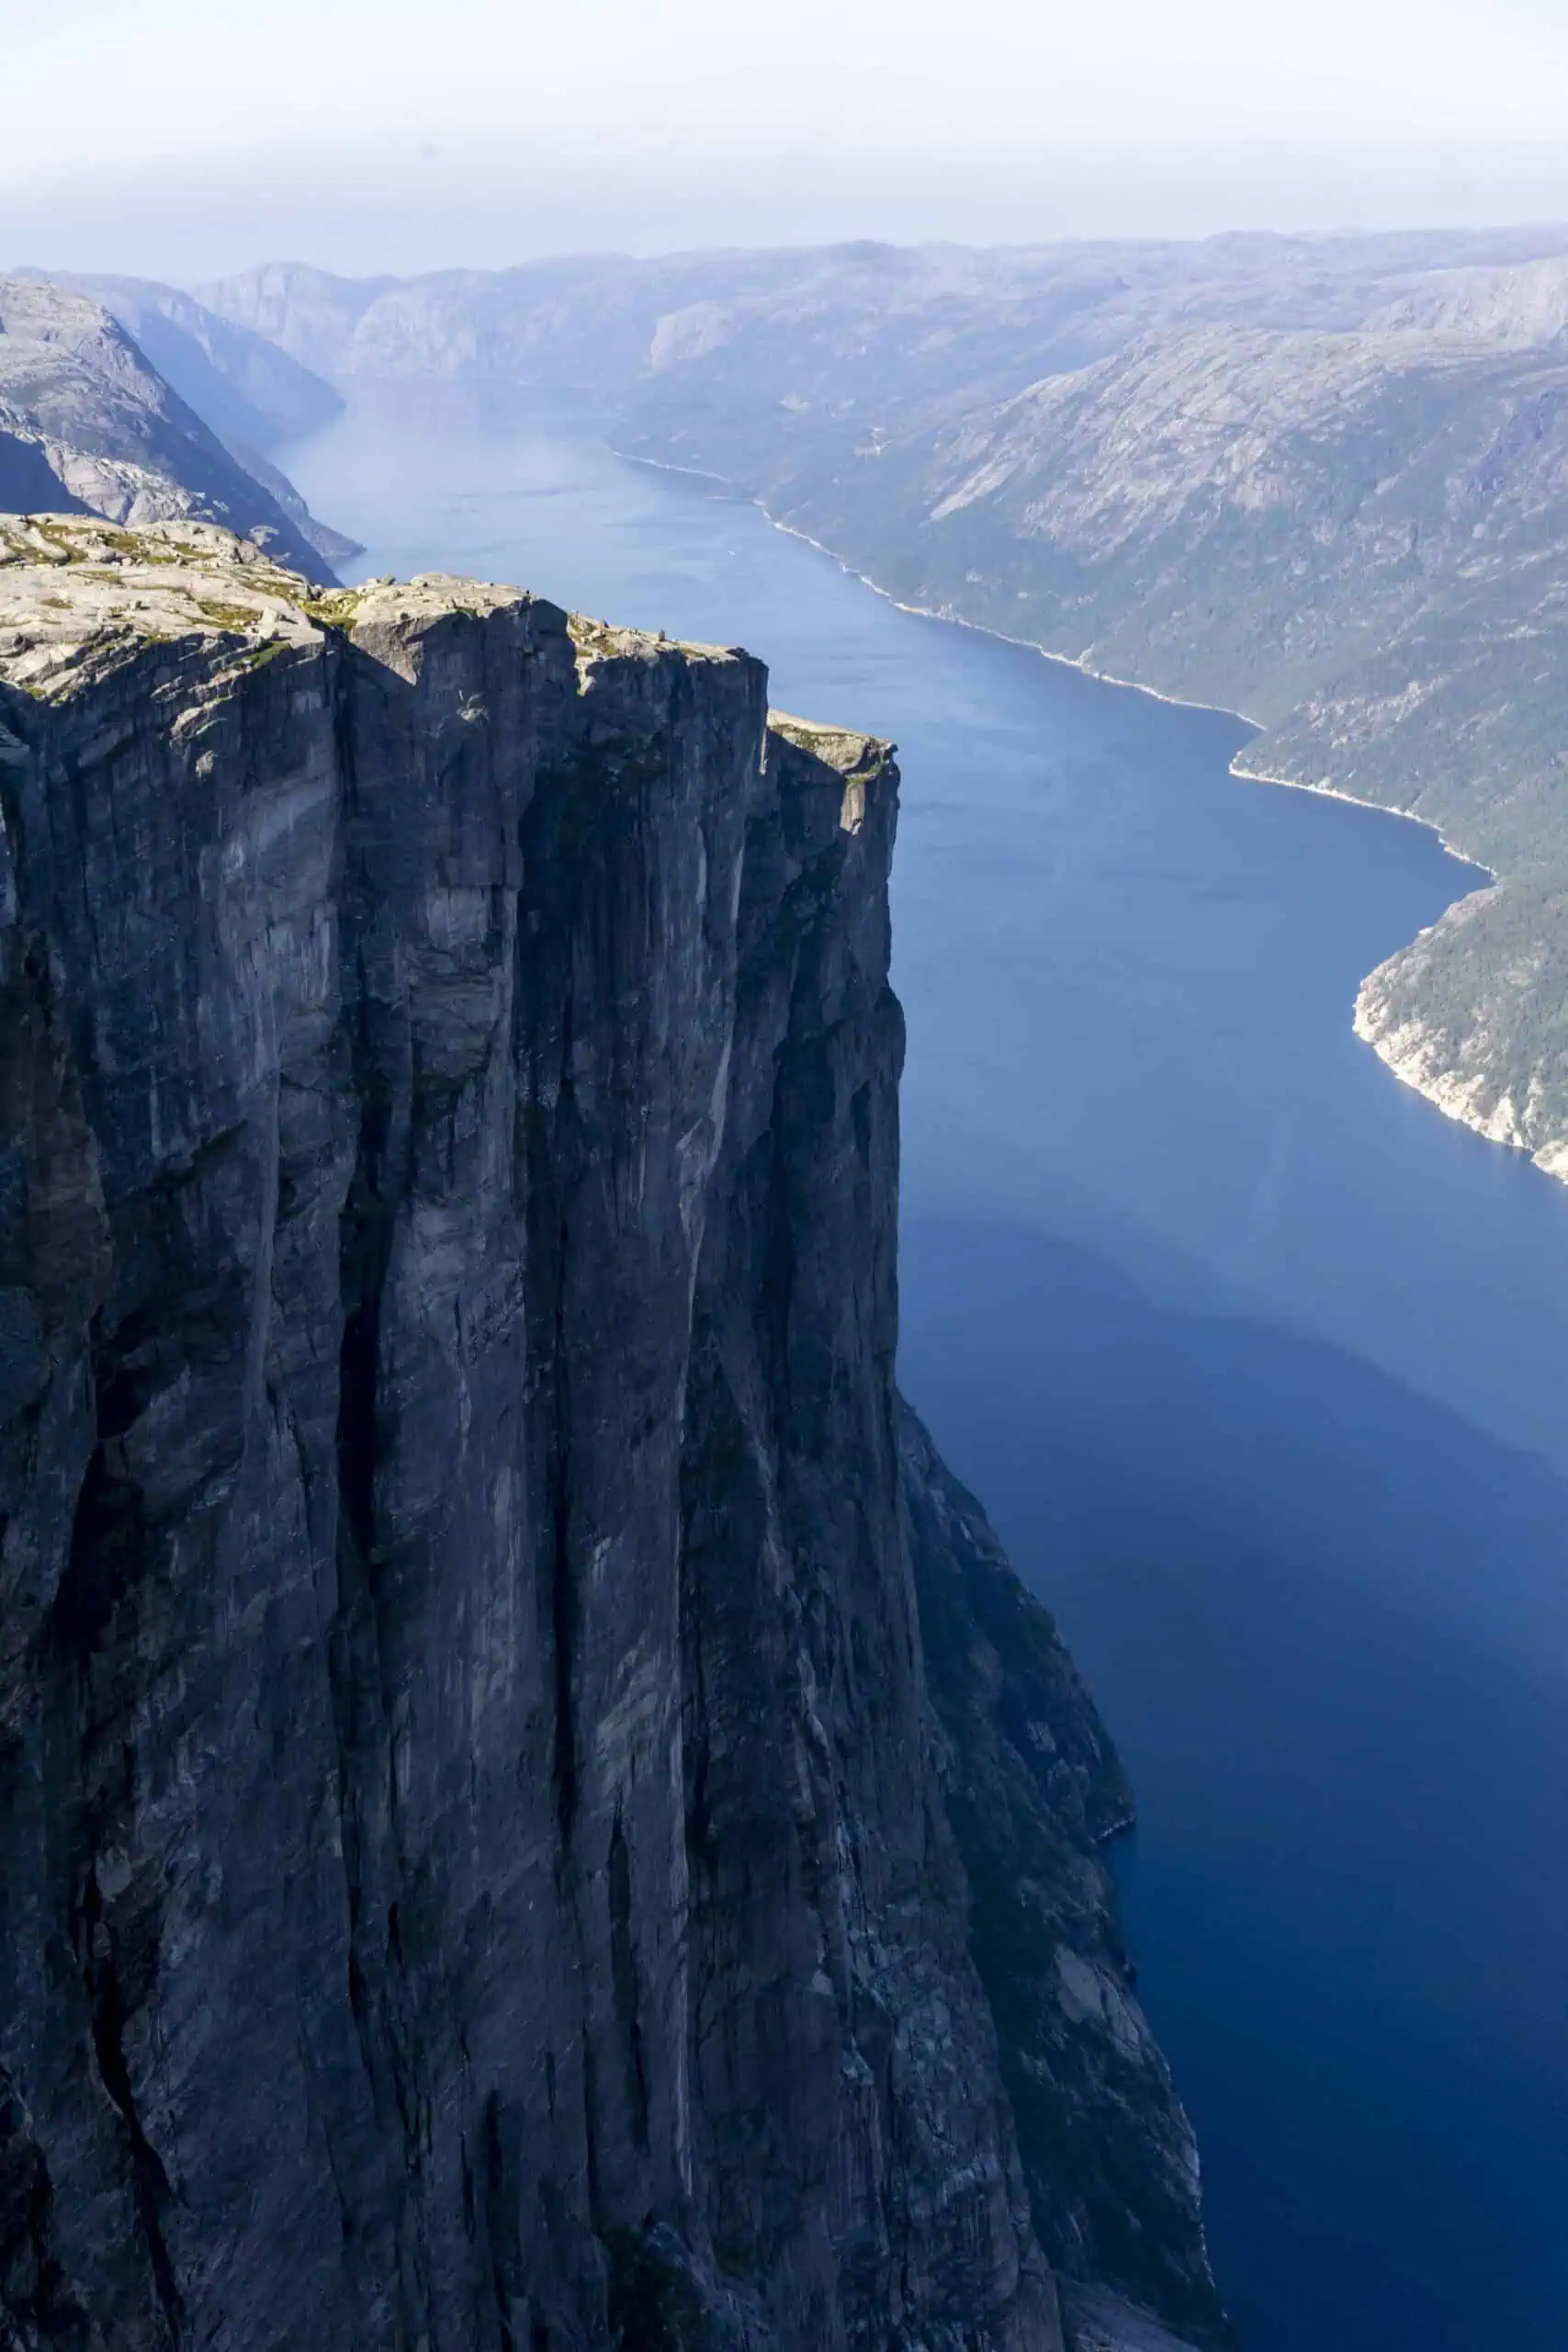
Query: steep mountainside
1320, 481
81, 408
250, 393
474, 1863
1523, 303
1362, 542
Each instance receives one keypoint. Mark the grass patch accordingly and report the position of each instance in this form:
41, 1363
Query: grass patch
335, 609
233, 619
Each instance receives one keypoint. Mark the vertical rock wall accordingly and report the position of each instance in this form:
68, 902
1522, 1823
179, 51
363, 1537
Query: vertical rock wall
474, 1866
470, 1871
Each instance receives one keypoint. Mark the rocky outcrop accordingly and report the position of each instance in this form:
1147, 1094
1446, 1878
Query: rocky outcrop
473, 1862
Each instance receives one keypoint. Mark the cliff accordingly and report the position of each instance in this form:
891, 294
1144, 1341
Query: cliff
244, 389
474, 1869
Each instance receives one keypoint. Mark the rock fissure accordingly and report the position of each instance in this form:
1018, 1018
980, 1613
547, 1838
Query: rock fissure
110, 2013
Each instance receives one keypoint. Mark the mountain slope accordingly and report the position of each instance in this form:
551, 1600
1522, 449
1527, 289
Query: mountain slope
1033, 1788
76, 389
1362, 541
29, 483
248, 390
250, 393
835, 328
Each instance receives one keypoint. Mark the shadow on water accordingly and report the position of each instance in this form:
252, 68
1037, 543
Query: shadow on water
1263, 1548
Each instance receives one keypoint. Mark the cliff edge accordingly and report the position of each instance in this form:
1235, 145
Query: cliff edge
474, 1869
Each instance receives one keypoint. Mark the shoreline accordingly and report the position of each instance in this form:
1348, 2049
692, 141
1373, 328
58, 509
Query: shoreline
1406, 1050
1443, 1089
950, 620
1379, 807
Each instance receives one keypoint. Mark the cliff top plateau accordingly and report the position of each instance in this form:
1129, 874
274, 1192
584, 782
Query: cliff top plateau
77, 596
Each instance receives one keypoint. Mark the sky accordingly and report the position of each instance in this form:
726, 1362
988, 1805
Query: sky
185, 138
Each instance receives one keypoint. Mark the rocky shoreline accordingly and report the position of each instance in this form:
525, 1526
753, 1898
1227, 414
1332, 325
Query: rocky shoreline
1431, 1061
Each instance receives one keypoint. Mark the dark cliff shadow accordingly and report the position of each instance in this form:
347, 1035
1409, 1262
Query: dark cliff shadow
1327, 1622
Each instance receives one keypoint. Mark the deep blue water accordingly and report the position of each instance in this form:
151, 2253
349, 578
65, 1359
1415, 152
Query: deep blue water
1256, 1360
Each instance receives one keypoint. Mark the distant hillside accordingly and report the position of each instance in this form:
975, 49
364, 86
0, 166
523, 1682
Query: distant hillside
252, 394
246, 389
1322, 481
88, 423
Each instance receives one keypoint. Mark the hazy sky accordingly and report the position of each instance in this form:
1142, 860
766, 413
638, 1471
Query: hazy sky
181, 137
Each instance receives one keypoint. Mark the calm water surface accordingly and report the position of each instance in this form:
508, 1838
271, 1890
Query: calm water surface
1256, 1360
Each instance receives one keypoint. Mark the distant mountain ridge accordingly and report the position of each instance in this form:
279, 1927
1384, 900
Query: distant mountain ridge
1323, 481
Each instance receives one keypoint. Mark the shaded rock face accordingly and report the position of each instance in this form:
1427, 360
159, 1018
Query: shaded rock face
1033, 1788
469, 1869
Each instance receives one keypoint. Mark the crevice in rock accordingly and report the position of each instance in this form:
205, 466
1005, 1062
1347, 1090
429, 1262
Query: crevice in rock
107, 1556
623, 1982
110, 2016
499, 2206
563, 1600
365, 1245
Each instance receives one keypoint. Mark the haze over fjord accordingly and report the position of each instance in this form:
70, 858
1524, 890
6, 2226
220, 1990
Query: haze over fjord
197, 140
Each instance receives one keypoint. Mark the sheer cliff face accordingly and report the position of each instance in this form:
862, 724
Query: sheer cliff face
470, 1871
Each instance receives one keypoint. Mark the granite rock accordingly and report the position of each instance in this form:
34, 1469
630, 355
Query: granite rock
474, 1866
